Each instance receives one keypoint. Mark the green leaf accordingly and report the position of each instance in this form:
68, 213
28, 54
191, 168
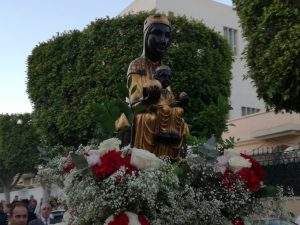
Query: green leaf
268, 191
79, 161
208, 150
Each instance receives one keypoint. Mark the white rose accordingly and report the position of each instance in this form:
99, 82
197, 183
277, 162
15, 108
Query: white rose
143, 159
92, 157
238, 162
231, 152
109, 144
133, 218
109, 219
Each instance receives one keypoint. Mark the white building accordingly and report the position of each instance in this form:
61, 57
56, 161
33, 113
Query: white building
222, 18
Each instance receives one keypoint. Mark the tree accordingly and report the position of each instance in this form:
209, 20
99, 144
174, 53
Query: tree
272, 30
74, 77
18, 149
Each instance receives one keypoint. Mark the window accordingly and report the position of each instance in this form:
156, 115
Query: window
231, 36
248, 111
170, 14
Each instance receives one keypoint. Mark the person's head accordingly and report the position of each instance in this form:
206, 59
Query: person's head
157, 37
32, 203
7, 208
25, 202
18, 214
16, 198
163, 74
45, 210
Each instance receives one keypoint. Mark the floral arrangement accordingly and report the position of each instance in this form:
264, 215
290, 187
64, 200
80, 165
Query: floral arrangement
112, 186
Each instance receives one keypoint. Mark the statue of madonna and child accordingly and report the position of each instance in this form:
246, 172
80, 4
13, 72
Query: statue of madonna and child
159, 127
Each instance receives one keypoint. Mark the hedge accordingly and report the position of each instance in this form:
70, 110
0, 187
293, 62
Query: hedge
272, 30
72, 76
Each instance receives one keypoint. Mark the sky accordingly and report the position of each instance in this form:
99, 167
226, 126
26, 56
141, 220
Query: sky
24, 24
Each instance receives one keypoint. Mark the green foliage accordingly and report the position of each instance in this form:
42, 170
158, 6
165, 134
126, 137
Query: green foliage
272, 30
225, 144
268, 191
208, 150
18, 147
73, 77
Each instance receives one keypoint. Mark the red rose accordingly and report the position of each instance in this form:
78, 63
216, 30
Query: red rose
121, 219
111, 162
256, 167
143, 220
252, 176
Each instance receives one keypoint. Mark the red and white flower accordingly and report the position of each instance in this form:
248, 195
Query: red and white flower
232, 159
127, 218
93, 156
110, 163
252, 176
106, 161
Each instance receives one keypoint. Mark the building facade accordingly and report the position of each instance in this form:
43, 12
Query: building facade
265, 131
223, 19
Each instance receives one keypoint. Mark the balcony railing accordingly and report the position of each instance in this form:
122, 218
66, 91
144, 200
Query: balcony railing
275, 156
282, 166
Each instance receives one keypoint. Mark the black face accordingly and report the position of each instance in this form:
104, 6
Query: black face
164, 76
158, 41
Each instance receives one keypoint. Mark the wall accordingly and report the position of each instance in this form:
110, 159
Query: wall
249, 127
139, 5
37, 192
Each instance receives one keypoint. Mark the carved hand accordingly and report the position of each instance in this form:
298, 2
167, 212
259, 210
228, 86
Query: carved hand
183, 99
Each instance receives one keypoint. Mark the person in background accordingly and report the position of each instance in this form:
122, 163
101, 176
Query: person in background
18, 214
3, 215
6, 208
66, 219
297, 221
44, 217
32, 205
16, 199
39, 207
31, 215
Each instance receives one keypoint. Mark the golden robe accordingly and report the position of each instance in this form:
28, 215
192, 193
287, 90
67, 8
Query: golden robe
156, 118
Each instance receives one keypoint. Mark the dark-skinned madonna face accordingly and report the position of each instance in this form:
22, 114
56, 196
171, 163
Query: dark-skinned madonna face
158, 41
